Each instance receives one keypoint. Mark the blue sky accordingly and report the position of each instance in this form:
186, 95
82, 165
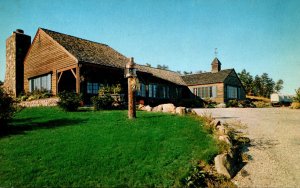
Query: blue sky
259, 36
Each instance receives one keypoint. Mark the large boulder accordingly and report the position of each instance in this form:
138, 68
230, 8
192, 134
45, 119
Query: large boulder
148, 108
222, 130
158, 108
225, 138
228, 163
169, 108
180, 110
141, 107
222, 164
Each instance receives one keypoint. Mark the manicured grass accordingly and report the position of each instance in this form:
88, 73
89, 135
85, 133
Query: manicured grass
49, 147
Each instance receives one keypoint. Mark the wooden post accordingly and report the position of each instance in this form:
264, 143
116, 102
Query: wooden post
78, 79
131, 100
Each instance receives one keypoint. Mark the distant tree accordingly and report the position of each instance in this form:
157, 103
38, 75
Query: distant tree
279, 85
198, 72
247, 80
187, 73
148, 65
297, 96
263, 85
256, 86
179, 72
267, 85
259, 85
164, 67
1, 83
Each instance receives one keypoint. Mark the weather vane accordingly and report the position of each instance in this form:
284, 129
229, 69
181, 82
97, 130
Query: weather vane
216, 52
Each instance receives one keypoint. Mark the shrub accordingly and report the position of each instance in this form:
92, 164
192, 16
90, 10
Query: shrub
114, 89
232, 103
261, 104
7, 108
102, 102
297, 96
69, 101
295, 105
209, 103
247, 103
34, 95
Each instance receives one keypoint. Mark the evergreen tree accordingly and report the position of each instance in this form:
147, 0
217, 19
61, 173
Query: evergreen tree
278, 85
247, 80
164, 67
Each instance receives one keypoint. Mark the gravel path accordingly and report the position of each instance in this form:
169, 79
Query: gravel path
275, 145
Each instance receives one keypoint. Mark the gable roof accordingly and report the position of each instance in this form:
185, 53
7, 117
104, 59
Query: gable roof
88, 51
92, 52
207, 78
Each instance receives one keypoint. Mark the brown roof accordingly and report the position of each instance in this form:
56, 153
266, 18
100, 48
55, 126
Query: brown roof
102, 54
206, 78
164, 74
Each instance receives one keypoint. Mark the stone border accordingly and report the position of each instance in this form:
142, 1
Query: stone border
231, 161
166, 108
40, 102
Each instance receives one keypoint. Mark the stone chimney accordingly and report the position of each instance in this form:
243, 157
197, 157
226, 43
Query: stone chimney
215, 65
17, 46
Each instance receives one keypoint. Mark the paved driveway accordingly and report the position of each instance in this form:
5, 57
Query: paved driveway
275, 140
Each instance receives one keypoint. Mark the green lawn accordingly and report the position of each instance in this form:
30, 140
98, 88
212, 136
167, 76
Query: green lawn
50, 147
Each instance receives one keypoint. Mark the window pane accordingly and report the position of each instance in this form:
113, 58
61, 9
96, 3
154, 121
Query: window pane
89, 87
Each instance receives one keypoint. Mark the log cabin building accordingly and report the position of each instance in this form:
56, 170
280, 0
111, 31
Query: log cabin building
58, 62
217, 85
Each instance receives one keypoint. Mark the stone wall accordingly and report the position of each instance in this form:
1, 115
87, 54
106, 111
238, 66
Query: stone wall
10, 73
40, 102
17, 46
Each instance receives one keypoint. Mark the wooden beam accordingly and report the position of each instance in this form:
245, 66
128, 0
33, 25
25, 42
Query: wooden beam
59, 77
67, 68
74, 72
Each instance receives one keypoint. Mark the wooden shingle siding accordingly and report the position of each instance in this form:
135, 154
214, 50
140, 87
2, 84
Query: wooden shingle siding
220, 91
45, 56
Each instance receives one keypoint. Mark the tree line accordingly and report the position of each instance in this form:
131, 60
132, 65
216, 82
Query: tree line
260, 85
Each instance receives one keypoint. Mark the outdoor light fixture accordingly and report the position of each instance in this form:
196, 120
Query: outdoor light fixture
130, 70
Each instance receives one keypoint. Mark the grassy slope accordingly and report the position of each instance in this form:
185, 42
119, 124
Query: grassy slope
53, 148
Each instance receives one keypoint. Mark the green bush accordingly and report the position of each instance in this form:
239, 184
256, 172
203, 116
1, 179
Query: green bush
7, 108
69, 101
209, 103
114, 89
34, 95
232, 103
261, 104
247, 103
102, 102
297, 96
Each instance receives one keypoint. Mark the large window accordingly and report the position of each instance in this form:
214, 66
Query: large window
142, 91
232, 92
93, 88
205, 92
153, 90
40, 83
